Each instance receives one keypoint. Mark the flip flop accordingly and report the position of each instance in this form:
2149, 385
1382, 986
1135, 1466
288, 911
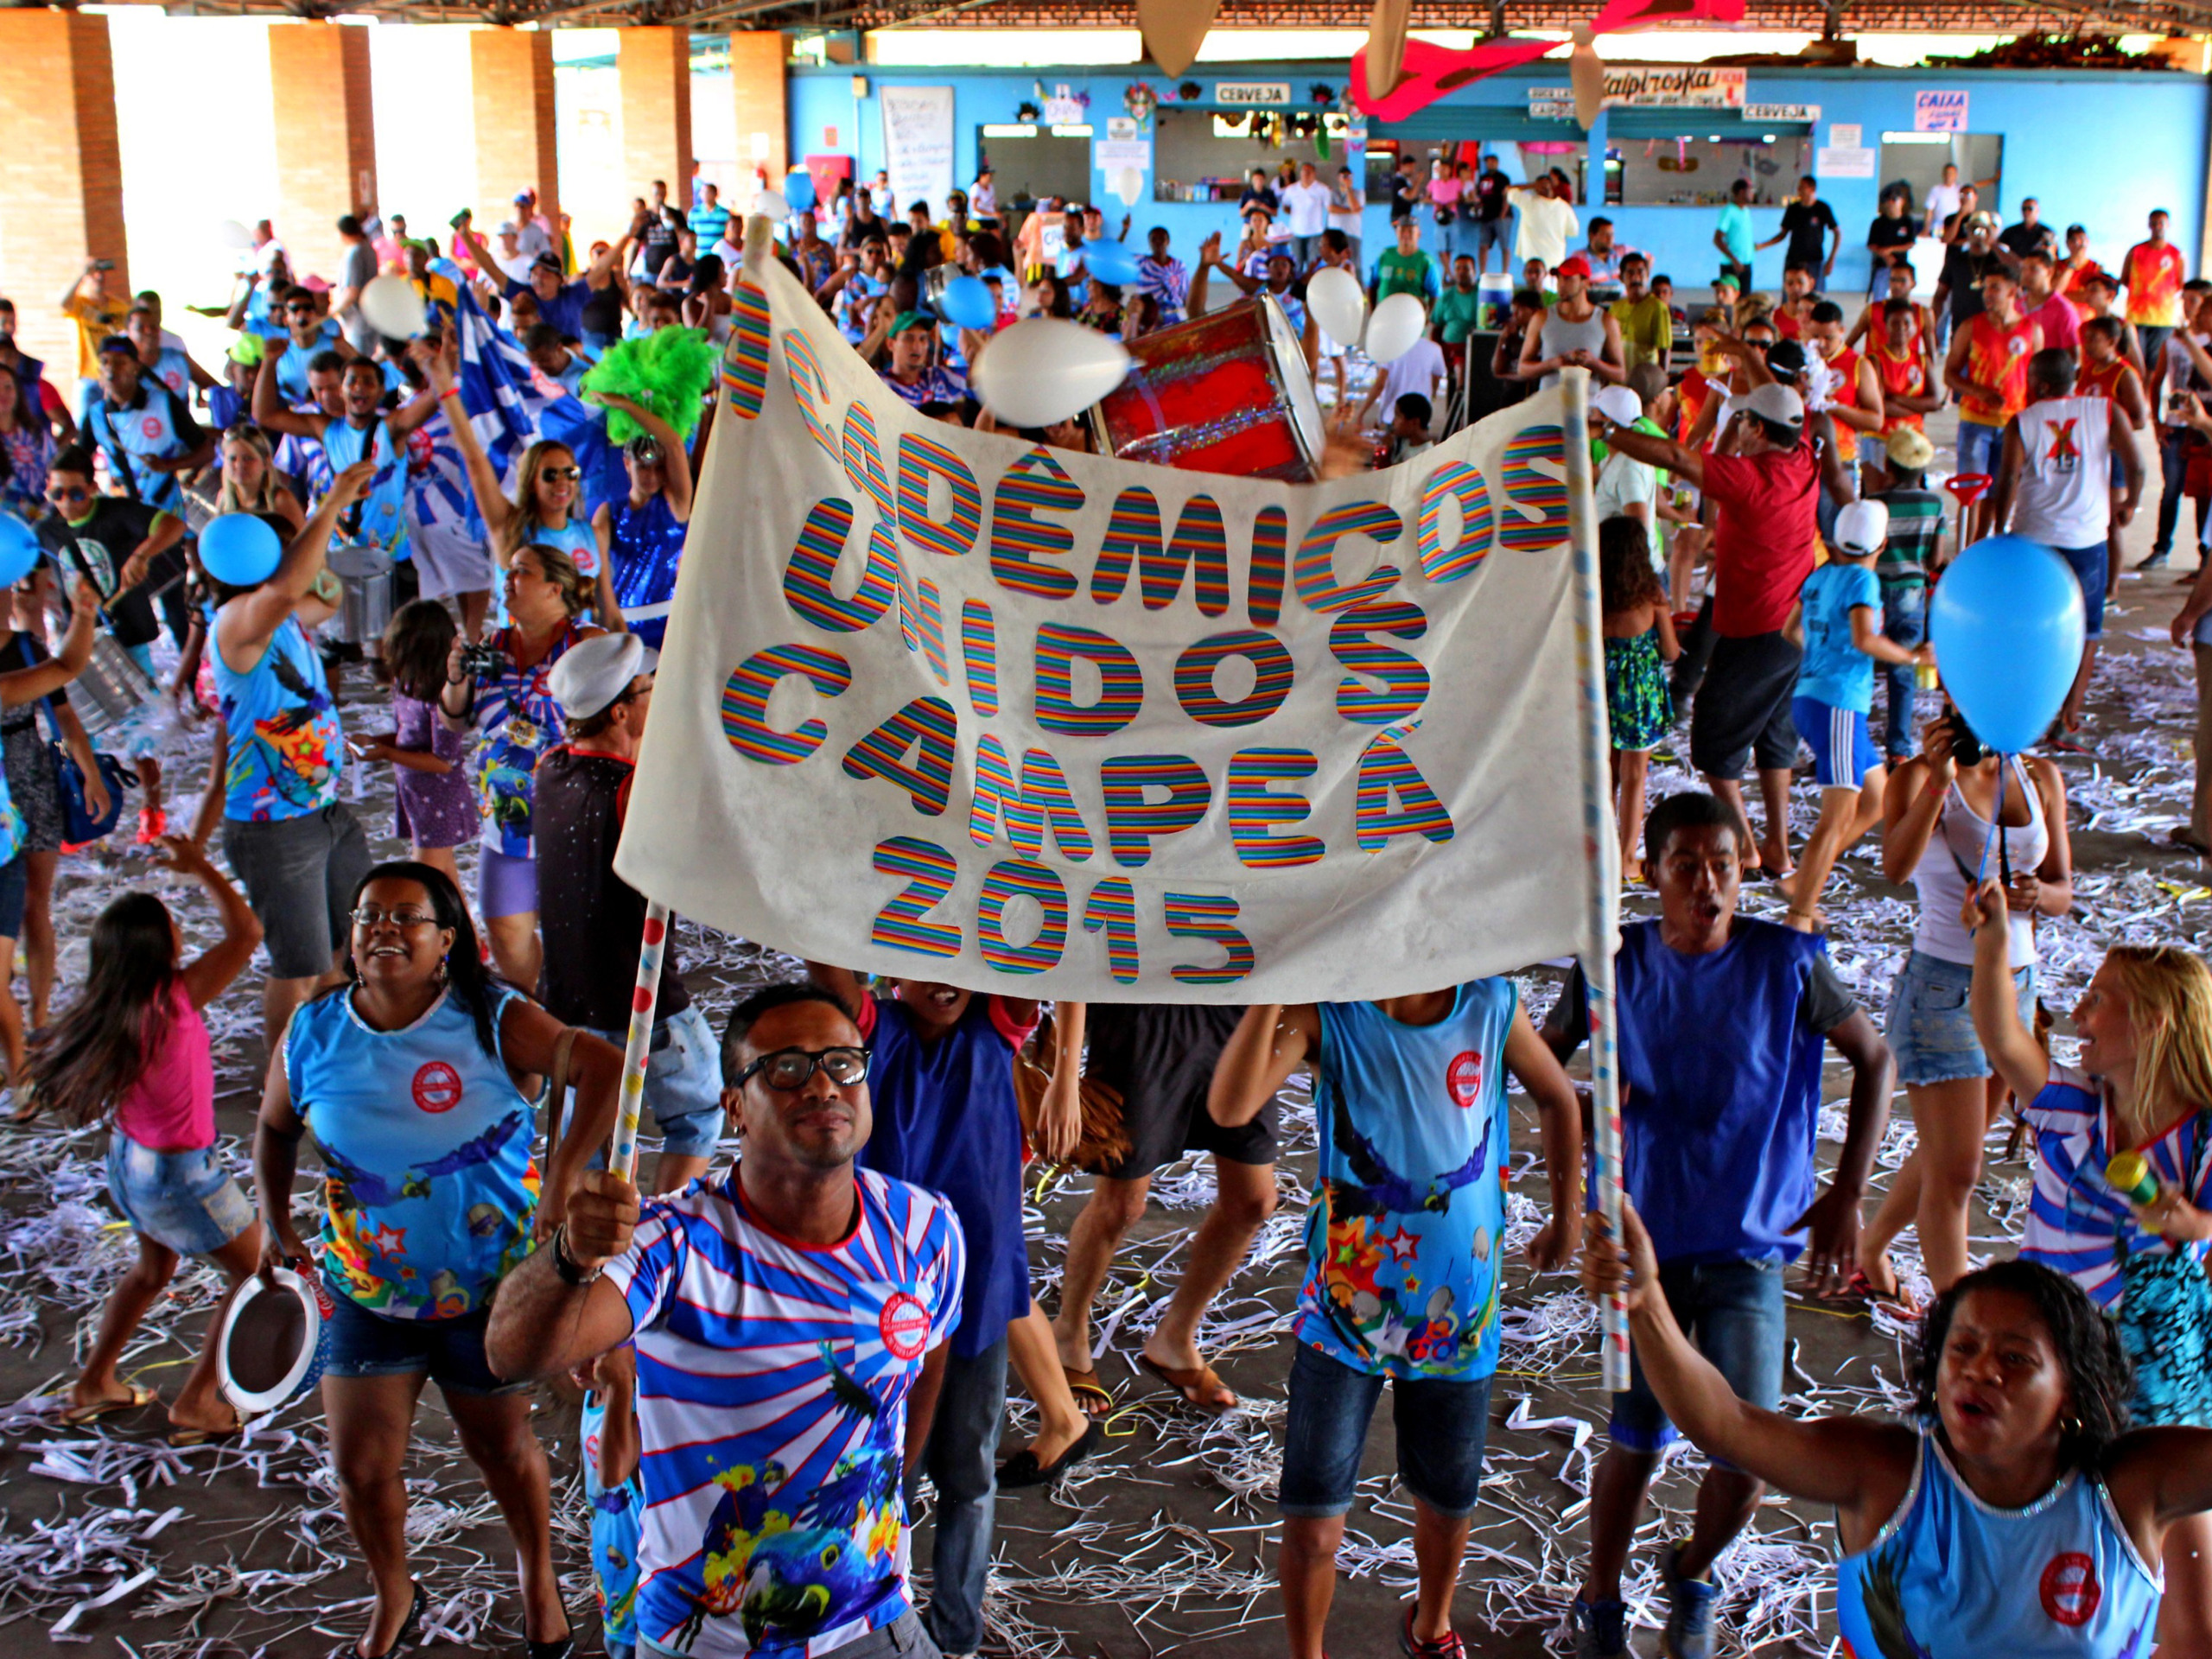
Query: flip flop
1087, 1389
78, 1416
1022, 1469
1196, 1385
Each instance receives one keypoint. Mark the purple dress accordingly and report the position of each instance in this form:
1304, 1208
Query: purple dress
436, 809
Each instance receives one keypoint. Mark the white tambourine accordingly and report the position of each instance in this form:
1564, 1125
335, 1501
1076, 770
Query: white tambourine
273, 1342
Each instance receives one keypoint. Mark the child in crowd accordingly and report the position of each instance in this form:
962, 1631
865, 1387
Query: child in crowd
608, 1432
2143, 1085
133, 1051
432, 799
1409, 434
1839, 610
1639, 637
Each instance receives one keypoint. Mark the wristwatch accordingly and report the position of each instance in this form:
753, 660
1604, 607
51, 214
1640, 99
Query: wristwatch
565, 1265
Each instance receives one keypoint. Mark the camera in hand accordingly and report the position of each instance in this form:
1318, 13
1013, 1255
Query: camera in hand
1966, 749
482, 662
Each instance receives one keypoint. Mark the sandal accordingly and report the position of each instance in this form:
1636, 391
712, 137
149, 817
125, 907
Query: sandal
1022, 1469
1199, 1385
78, 1416
1091, 1396
183, 1439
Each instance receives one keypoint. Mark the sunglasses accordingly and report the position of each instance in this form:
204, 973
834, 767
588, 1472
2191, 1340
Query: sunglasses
560, 474
68, 492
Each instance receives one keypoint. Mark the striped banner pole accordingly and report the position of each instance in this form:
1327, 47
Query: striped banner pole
1601, 932
622, 1156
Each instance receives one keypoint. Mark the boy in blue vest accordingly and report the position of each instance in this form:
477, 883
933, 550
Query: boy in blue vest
941, 1078
1405, 1253
1722, 1020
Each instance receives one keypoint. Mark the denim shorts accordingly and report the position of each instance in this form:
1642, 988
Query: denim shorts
2092, 566
1930, 1022
449, 1351
1735, 1313
184, 1201
1979, 447
1442, 1424
683, 1084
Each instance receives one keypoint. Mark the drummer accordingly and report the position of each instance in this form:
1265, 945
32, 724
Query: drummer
362, 433
1278, 285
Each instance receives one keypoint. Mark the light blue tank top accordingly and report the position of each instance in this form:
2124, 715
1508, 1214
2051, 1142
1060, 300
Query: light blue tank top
1405, 1227
379, 519
286, 747
426, 1145
576, 538
1951, 1578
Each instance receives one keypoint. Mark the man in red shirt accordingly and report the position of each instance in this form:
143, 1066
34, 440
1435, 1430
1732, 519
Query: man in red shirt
2049, 310
1764, 482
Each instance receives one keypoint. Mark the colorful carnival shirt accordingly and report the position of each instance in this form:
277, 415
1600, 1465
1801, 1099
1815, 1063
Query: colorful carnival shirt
517, 719
1408, 1217
2152, 274
772, 1379
286, 747
616, 1514
426, 1146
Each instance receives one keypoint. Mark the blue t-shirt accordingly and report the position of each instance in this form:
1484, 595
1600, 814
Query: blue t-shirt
772, 1379
1835, 670
1720, 1066
425, 1147
946, 1120
565, 310
1735, 227
1408, 1221
286, 746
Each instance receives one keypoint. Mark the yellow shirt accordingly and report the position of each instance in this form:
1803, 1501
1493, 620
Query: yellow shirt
96, 319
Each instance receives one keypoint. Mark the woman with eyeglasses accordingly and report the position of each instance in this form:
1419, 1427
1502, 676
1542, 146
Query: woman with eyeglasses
644, 530
548, 508
503, 696
414, 1078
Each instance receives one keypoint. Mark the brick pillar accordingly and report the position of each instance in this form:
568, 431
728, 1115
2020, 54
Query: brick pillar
655, 67
756, 73
60, 172
326, 138
511, 74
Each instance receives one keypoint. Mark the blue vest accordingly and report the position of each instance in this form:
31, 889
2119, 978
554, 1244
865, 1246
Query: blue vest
1723, 1090
379, 519
1951, 1578
426, 1143
148, 428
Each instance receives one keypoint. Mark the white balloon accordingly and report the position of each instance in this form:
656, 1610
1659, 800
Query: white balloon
1128, 185
1333, 295
769, 204
1044, 370
1396, 324
230, 233
390, 305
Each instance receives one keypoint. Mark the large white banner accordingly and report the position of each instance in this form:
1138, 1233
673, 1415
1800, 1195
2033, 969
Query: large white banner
954, 706
918, 145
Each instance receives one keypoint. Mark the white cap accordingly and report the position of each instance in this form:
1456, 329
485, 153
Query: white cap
508, 229
1862, 527
1775, 403
591, 674
1618, 404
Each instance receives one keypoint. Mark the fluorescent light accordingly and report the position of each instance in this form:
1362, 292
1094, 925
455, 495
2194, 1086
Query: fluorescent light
1917, 137
1014, 129
1071, 129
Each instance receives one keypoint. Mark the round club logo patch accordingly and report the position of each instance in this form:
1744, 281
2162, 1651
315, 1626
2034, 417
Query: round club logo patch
151, 428
905, 1327
1464, 1077
437, 1087
2070, 1589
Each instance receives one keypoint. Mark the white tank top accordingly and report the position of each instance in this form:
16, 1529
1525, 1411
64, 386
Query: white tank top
2065, 491
1953, 859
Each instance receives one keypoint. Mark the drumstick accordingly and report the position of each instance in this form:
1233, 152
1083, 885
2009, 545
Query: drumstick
622, 1155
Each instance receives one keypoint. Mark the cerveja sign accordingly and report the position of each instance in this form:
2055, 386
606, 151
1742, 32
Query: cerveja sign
1243, 93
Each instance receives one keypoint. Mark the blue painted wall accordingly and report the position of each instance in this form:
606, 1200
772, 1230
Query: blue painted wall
2102, 149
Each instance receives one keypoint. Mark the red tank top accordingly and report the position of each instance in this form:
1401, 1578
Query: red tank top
1907, 374
2096, 380
1845, 365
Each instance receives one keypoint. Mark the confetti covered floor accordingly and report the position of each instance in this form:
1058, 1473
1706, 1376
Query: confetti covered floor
111, 1538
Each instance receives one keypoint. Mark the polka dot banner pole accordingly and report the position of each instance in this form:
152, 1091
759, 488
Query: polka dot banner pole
622, 1157
1602, 844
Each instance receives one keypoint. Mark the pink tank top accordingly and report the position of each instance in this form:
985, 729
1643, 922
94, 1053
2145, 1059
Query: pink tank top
172, 1106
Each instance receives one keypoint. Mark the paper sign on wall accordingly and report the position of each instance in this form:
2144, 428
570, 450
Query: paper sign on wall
1838, 162
1939, 111
917, 143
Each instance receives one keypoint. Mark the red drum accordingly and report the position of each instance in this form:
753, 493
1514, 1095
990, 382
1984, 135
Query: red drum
1227, 392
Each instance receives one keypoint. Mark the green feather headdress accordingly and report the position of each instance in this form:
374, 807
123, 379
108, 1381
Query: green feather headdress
668, 372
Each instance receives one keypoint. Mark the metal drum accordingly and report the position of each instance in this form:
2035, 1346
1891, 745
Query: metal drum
111, 688
1227, 392
365, 573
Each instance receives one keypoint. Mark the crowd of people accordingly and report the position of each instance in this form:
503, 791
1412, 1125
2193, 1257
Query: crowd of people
774, 1352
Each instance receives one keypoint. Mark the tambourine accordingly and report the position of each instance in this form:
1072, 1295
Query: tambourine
274, 1341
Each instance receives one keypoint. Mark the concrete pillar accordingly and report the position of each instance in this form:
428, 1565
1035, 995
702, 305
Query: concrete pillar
511, 75
756, 73
655, 68
60, 172
326, 138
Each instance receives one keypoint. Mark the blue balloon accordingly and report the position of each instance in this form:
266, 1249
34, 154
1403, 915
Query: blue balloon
2007, 621
239, 550
967, 300
1109, 262
19, 549
799, 190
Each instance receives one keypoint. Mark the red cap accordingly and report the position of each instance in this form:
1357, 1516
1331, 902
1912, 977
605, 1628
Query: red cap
1573, 266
